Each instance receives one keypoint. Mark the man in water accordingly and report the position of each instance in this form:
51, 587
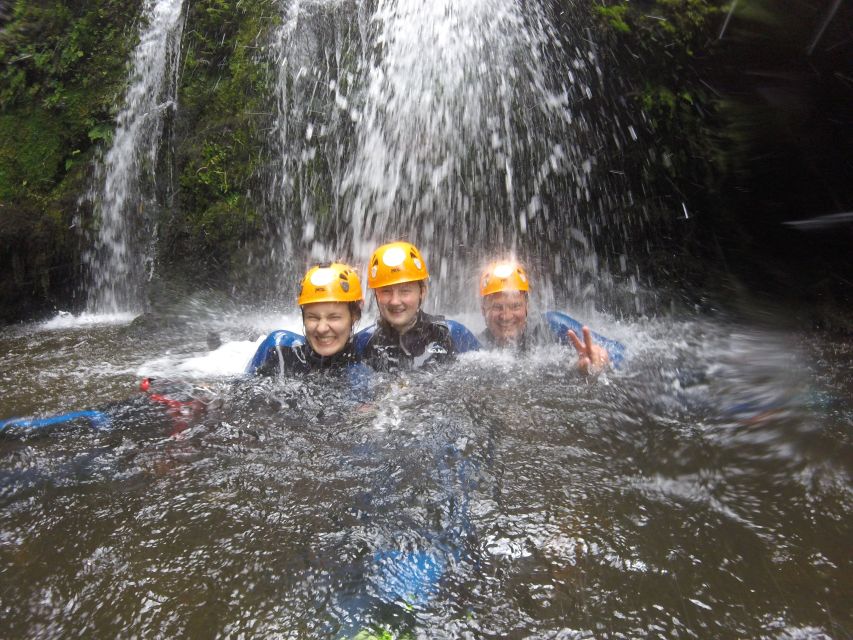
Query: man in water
504, 288
405, 337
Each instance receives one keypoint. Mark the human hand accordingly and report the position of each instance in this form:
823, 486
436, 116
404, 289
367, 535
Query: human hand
592, 358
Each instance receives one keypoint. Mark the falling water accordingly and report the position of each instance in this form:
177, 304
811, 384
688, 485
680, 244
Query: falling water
124, 188
462, 126
317, 50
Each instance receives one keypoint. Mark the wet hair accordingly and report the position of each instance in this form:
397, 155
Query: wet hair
355, 310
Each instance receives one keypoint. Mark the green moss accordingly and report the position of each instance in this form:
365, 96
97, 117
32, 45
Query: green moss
225, 221
223, 120
615, 16
62, 67
31, 152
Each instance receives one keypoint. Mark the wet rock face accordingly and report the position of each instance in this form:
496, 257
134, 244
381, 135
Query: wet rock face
151, 322
37, 265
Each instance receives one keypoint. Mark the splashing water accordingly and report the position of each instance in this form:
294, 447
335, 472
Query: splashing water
704, 491
460, 126
124, 188
316, 51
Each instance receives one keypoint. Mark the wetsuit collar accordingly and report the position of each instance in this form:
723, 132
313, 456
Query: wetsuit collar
343, 357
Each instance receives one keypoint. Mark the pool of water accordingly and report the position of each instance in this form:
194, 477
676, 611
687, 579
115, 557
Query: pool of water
702, 490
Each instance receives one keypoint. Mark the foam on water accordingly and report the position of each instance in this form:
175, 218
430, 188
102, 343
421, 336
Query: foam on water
265, 322
230, 359
65, 320
540, 488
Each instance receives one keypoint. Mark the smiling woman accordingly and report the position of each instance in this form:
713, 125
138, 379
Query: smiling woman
405, 337
331, 300
328, 326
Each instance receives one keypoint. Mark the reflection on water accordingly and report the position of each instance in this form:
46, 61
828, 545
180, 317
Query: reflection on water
702, 491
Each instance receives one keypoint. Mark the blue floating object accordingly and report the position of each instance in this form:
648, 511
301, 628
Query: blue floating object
96, 419
560, 323
411, 577
463, 339
276, 339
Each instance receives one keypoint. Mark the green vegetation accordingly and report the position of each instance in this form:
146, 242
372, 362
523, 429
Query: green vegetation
225, 112
739, 110
63, 73
660, 49
62, 64
61, 67
678, 161
693, 149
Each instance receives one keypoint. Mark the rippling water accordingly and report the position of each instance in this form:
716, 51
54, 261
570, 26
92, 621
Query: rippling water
701, 491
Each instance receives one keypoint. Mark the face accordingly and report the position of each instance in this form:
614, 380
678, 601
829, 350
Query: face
506, 315
399, 304
328, 326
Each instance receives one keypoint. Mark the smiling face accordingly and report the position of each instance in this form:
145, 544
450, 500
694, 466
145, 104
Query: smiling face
399, 304
506, 315
328, 326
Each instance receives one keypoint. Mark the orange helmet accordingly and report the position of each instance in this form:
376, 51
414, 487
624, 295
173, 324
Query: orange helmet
503, 276
394, 263
335, 282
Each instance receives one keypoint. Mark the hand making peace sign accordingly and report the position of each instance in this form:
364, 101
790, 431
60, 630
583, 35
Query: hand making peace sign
592, 358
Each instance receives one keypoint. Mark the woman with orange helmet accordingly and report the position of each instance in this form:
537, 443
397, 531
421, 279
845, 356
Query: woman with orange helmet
504, 288
405, 336
330, 298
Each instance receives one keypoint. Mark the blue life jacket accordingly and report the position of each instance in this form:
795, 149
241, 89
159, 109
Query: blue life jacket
280, 338
96, 419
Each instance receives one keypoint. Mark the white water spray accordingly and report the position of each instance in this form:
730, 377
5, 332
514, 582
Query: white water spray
123, 192
458, 125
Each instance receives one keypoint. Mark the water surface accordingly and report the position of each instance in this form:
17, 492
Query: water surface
701, 491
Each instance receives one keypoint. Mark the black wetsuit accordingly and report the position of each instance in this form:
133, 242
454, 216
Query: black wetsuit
301, 359
427, 343
536, 333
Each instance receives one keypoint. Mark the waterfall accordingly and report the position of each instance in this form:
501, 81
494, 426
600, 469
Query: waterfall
461, 125
123, 193
317, 50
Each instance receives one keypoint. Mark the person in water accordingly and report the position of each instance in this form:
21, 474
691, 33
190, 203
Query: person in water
405, 336
504, 289
330, 298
